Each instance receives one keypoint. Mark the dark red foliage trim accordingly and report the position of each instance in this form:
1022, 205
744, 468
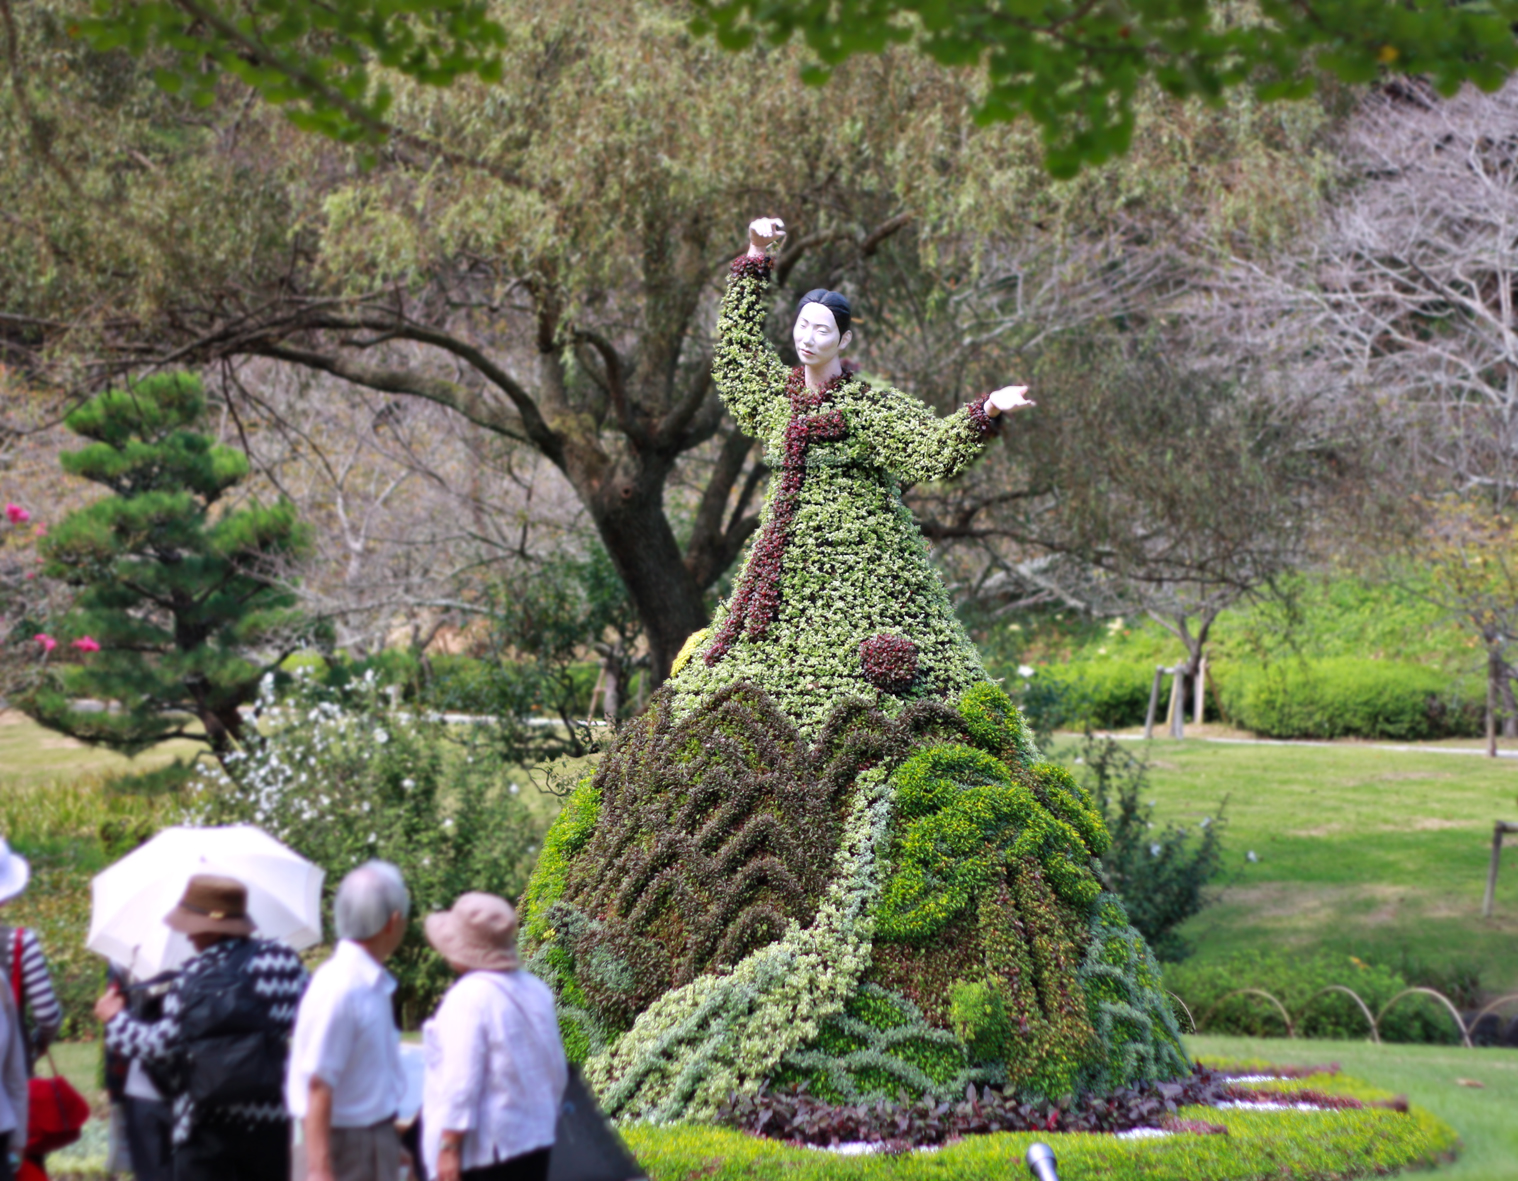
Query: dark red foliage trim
792, 1115
890, 662
757, 599
984, 423
748, 265
1247, 1094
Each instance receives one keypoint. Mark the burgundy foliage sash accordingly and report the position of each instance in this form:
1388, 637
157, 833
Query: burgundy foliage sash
757, 600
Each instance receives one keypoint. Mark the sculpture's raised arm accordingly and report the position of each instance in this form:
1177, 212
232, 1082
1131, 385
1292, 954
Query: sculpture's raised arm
907, 439
749, 376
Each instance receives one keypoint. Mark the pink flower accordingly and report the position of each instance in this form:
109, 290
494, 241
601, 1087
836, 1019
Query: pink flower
29, 575
17, 515
47, 641
87, 644
41, 531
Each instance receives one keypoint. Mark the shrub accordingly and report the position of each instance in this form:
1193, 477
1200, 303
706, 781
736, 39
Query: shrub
1348, 697
343, 782
904, 904
1162, 876
1297, 980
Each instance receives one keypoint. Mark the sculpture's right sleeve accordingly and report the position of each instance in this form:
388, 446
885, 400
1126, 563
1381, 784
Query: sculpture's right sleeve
749, 376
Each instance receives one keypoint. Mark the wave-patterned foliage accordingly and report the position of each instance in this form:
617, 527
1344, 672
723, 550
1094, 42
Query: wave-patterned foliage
713, 834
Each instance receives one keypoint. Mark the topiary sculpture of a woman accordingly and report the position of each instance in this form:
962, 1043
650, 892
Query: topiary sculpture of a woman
829, 853
837, 597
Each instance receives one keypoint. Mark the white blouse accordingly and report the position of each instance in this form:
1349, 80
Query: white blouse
495, 1069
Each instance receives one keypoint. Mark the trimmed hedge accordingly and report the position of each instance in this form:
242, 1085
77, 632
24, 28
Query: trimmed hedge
1106, 693
1338, 697
1347, 697
1260, 1145
1294, 980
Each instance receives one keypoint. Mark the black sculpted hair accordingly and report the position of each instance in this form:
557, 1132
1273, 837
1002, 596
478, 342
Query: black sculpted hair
835, 303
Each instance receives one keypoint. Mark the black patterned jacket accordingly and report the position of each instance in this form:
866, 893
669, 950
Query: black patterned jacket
281, 980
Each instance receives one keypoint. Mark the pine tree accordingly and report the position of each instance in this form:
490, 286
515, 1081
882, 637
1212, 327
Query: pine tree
179, 609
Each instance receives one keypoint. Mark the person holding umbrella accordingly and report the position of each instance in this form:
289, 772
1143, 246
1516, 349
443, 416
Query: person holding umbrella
220, 1046
496, 1069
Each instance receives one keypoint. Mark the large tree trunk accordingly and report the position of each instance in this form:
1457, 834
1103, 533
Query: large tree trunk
629, 515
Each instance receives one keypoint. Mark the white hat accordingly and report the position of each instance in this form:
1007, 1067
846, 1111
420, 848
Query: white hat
14, 872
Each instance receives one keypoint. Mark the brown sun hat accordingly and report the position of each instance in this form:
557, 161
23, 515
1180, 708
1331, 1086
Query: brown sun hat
479, 933
212, 905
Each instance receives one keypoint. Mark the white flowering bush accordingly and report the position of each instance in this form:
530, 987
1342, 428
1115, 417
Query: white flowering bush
341, 779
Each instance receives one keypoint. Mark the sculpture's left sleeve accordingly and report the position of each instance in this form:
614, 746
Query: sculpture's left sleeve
909, 440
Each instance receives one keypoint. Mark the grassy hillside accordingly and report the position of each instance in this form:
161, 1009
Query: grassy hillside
1376, 853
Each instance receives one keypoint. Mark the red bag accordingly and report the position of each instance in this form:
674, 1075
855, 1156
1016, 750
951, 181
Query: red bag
56, 1111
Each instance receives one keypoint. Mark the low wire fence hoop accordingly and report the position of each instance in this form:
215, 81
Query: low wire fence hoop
1291, 1029
1185, 1008
1370, 1020
1465, 1034
1491, 1008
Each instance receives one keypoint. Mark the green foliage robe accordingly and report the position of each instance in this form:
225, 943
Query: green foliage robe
839, 566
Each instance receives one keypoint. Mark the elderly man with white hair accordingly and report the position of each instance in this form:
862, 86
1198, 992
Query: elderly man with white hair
346, 1082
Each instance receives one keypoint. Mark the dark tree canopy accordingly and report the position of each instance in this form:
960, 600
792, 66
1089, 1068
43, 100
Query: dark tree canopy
1071, 66
324, 62
1075, 67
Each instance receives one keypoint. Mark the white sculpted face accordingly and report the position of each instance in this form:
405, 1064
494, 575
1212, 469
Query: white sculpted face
816, 335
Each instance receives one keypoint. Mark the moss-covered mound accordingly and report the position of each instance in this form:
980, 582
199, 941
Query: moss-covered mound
906, 904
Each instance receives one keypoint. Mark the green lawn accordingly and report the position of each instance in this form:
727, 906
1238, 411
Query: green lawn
31, 756
1485, 1117
1372, 852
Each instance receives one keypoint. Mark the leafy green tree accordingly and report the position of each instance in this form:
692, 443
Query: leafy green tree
1073, 67
180, 606
552, 276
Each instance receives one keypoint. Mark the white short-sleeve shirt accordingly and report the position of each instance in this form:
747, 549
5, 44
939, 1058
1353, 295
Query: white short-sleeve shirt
345, 1035
496, 1069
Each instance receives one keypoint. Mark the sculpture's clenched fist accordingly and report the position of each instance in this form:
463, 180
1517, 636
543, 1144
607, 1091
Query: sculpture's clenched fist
765, 235
1007, 399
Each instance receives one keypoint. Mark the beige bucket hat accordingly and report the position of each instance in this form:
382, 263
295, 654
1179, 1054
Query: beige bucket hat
479, 933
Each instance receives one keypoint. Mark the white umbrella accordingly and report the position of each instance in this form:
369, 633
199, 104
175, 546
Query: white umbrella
131, 898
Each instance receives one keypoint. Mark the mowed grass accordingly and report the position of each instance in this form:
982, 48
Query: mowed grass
1486, 1117
31, 756
1376, 853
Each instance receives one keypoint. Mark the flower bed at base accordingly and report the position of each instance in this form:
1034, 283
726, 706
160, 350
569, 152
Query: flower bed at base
1302, 1145
1259, 1145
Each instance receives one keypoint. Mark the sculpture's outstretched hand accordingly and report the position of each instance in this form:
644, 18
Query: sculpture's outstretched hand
765, 234
1007, 399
